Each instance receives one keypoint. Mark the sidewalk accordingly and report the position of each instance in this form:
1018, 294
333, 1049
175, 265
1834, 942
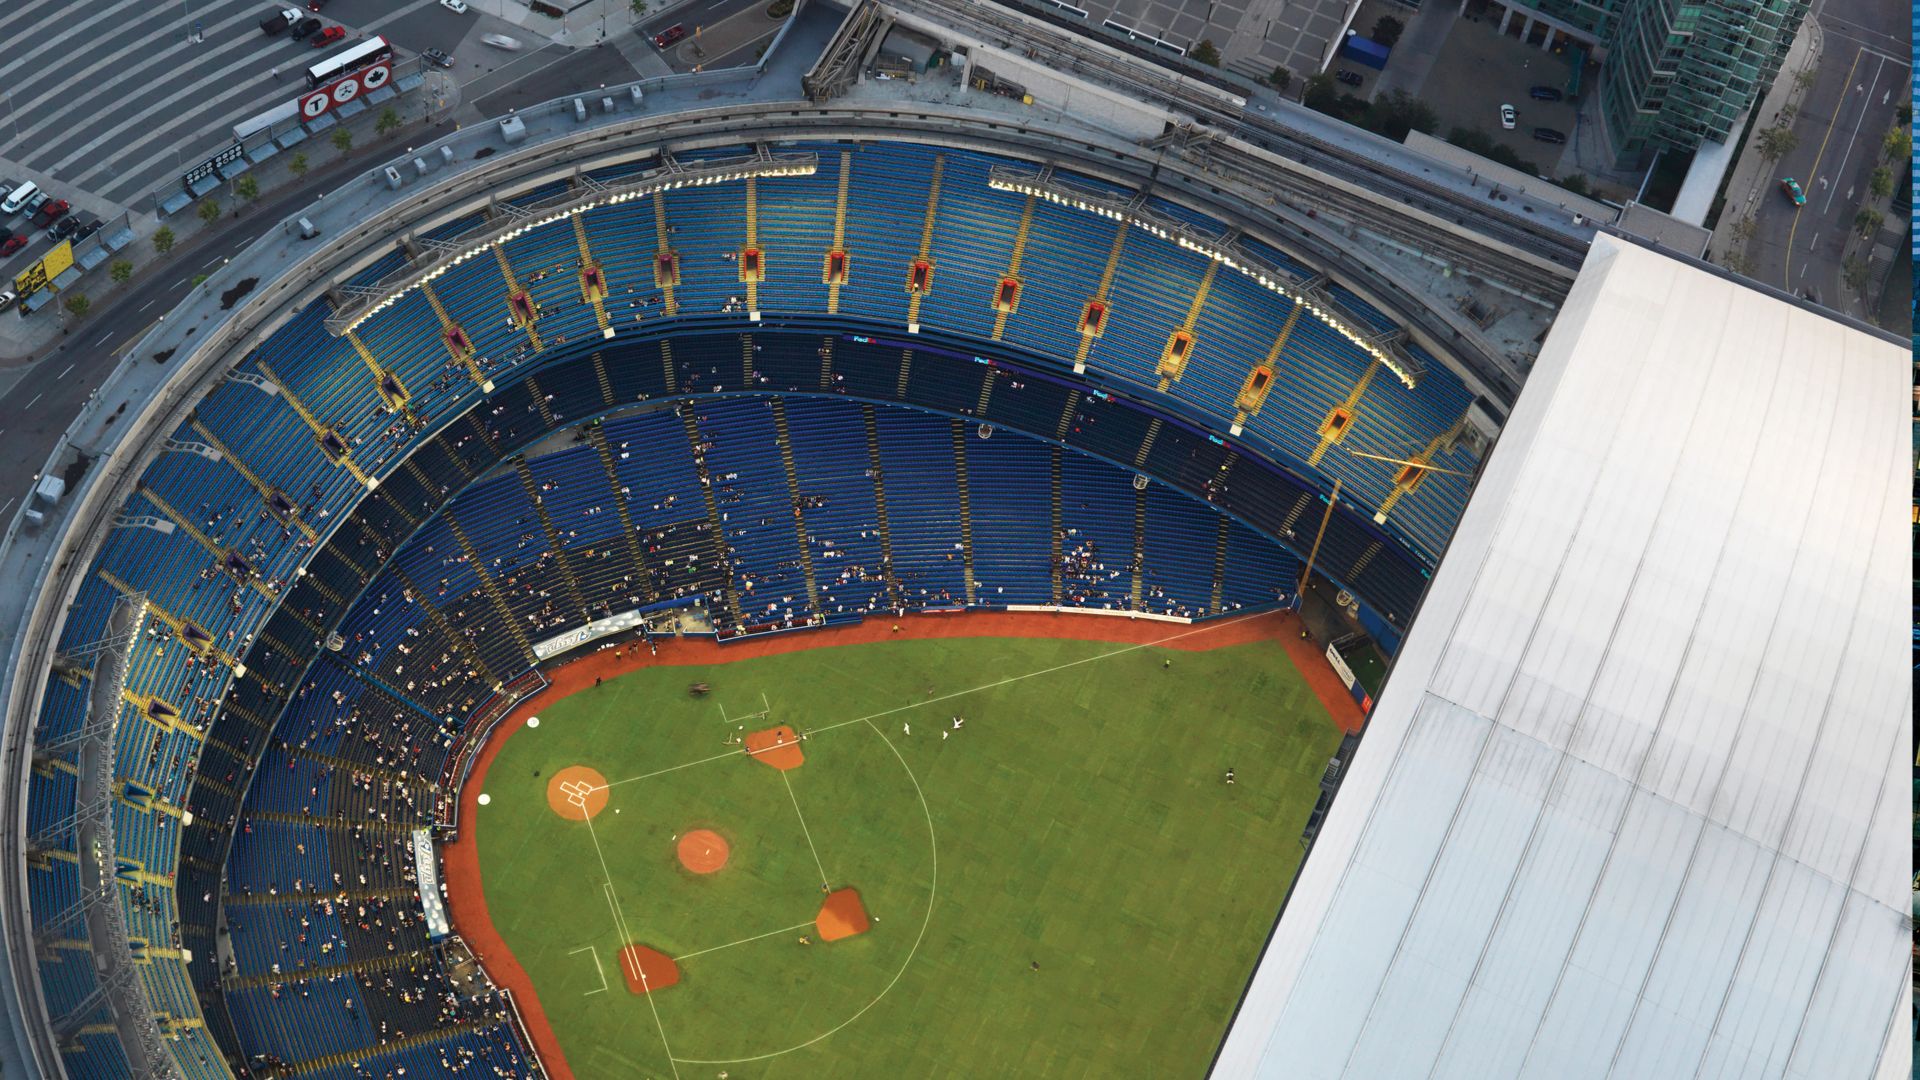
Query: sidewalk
1752, 174
24, 340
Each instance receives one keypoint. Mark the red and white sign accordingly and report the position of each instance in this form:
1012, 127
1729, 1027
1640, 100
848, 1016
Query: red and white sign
345, 89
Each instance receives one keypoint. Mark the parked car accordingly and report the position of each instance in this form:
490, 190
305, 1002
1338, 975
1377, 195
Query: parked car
437, 58
279, 21
18, 198
86, 230
458, 7
48, 212
1351, 78
316, 5
7, 297
501, 41
670, 35
1791, 189
1545, 93
1549, 135
12, 244
63, 228
328, 36
1508, 117
305, 27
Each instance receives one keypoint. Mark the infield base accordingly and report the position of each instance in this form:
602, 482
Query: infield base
776, 746
647, 970
841, 916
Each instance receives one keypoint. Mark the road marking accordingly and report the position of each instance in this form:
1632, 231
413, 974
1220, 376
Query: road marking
211, 261
1786, 266
148, 304
10, 502
1852, 138
63, 374
36, 397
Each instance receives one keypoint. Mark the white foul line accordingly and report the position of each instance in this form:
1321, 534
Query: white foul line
743, 941
803, 828
595, 953
626, 939
1212, 625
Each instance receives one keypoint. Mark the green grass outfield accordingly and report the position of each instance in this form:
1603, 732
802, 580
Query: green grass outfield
1079, 819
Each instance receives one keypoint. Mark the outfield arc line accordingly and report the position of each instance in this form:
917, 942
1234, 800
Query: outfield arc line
626, 938
744, 940
868, 719
933, 896
817, 865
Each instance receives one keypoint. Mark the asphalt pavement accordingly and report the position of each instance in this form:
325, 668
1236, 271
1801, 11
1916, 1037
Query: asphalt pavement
39, 407
1861, 80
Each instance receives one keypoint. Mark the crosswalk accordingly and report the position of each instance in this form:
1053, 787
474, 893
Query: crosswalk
118, 97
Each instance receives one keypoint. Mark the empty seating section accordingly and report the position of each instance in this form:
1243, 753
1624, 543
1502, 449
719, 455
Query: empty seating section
194, 1053
50, 798
1096, 546
66, 973
749, 484
1257, 571
922, 490
1065, 255
143, 838
623, 243
1153, 288
298, 1021
794, 219
492, 1053
1012, 522
547, 263
886, 212
95, 1051
663, 495
973, 240
705, 224
836, 483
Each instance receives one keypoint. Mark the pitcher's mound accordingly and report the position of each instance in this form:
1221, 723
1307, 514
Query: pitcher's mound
577, 793
842, 916
777, 746
702, 851
647, 970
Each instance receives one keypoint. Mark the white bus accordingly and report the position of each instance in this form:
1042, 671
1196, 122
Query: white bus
370, 51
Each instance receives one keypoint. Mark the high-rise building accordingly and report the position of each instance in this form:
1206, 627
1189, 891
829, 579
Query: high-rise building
1673, 72
1678, 71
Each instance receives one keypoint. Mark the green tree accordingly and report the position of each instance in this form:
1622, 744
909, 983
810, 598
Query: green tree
1738, 261
342, 139
1322, 94
121, 270
388, 121
1904, 115
1880, 183
1898, 144
163, 239
209, 211
297, 165
1868, 222
1395, 114
1856, 274
780, 9
638, 7
1803, 78
1742, 229
78, 304
1281, 78
1387, 30
1777, 142
1576, 183
1205, 53
247, 187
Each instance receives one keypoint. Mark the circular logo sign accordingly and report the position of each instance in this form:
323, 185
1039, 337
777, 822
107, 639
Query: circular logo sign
375, 77
314, 104
346, 90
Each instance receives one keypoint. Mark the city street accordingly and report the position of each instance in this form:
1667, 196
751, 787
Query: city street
1860, 82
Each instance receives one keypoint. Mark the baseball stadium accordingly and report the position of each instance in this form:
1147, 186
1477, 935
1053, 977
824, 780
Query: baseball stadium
784, 573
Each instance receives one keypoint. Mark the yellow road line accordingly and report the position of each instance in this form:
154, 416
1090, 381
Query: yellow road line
1813, 171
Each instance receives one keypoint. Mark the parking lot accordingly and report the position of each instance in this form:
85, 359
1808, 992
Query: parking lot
1478, 70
